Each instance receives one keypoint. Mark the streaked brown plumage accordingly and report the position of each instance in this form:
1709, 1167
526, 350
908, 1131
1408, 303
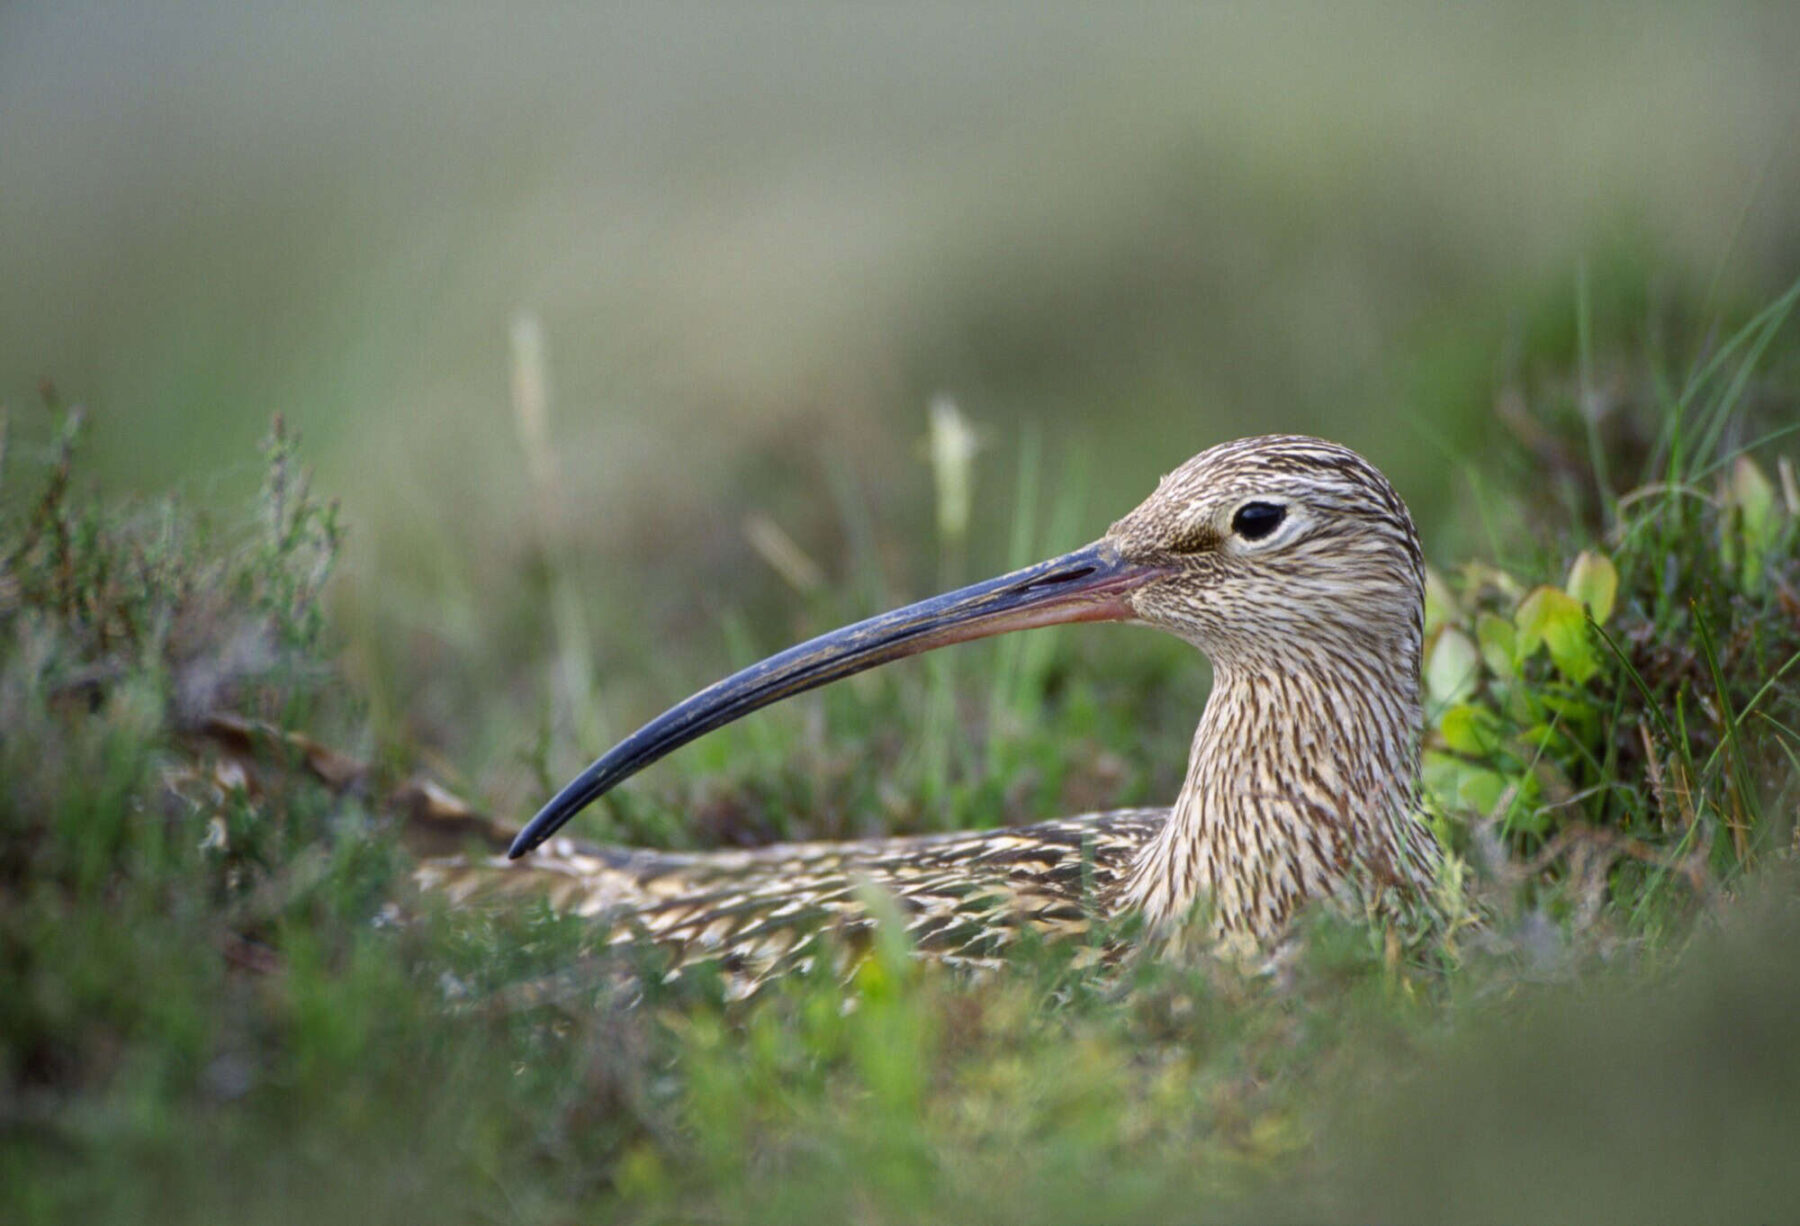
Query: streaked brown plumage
1290, 561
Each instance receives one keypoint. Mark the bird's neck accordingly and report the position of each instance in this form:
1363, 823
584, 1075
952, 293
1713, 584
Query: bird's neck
1301, 783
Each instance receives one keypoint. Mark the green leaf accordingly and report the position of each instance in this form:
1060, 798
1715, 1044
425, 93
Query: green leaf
1594, 581
1529, 618
1480, 789
1440, 602
1456, 784
1479, 577
1499, 645
1471, 730
1521, 704
1543, 737
1751, 495
1440, 773
1572, 711
1555, 619
1452, 670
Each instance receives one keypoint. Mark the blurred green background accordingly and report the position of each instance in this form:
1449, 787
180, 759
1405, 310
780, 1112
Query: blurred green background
758, 240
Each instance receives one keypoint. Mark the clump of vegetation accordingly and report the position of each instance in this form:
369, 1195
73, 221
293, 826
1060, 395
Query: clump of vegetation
205, 997
1626, 728
220, 993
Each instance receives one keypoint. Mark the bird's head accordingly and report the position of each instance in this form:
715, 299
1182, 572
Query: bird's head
1273, 549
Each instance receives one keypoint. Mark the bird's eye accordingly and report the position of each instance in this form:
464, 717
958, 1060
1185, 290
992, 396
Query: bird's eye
1255, 520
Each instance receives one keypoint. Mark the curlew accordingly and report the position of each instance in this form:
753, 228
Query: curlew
1290, 561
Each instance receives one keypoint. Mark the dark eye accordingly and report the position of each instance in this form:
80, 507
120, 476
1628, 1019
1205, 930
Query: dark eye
1255, 520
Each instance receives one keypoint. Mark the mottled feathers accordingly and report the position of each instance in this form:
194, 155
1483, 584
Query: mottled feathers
963, 897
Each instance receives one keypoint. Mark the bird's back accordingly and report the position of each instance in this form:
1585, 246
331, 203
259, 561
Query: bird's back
964, 898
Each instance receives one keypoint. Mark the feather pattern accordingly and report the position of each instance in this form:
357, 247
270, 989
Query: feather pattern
964, 897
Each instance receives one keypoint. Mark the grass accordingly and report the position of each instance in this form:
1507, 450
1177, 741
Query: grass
220, 996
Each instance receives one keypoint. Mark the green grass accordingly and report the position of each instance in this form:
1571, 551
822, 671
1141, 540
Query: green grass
220, 996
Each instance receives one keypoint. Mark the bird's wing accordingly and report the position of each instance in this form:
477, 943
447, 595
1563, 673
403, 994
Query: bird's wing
963, 897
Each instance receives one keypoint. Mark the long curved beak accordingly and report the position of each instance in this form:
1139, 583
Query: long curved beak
1091, 584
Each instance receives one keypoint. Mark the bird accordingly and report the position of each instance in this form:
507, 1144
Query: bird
1291, 562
